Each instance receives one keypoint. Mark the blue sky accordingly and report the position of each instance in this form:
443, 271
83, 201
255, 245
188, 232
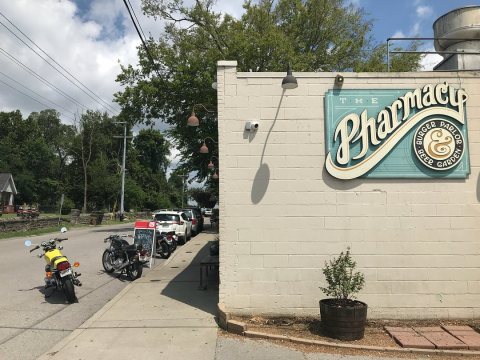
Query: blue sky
407, 18
391, 18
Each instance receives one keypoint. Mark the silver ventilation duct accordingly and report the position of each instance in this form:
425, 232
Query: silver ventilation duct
458, 34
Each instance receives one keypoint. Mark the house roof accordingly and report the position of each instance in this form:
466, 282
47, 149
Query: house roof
6, 179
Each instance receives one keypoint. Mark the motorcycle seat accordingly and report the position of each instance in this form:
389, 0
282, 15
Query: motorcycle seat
132, 247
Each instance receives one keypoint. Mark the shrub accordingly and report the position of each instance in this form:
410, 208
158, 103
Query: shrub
343, 282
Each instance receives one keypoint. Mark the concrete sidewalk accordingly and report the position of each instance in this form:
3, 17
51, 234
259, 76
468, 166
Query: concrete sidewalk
161, 315
164, 315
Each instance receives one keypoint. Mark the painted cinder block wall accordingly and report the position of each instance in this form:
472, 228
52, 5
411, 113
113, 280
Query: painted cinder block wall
282, 215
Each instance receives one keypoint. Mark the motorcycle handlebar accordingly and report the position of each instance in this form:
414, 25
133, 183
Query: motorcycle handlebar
61, 239
110, 237
35, 248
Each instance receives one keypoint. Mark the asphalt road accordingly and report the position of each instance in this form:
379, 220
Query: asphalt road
31, 322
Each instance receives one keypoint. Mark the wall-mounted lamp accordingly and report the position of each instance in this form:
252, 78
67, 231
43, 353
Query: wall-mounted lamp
211, 165
339, 79
289, 81
204, 148
215, 175
193, 119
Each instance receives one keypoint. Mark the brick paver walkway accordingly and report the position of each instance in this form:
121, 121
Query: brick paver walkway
435, 337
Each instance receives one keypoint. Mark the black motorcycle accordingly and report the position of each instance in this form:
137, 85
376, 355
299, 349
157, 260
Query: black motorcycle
121, 256
166, 243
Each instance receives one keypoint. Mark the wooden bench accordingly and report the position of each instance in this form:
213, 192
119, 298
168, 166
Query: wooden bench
206, 264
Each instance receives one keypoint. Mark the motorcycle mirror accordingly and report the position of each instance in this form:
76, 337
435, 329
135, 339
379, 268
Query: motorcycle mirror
63, 230
27, 243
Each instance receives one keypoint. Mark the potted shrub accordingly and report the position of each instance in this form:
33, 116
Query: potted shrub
342, 316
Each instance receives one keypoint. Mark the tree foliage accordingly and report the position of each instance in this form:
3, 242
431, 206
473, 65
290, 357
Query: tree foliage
312, 35
83, 162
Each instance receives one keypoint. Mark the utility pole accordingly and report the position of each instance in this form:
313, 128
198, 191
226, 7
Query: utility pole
122, 194
183, 175
183, 186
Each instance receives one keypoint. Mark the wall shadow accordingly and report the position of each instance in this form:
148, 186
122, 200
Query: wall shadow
185, 286
262, 176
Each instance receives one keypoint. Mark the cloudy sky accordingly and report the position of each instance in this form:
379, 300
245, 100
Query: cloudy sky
91, 38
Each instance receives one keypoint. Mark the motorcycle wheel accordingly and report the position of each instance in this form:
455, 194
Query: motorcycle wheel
165, 251
107, 261
134, 271
69, 290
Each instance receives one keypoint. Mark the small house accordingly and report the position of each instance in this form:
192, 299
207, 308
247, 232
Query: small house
7, 193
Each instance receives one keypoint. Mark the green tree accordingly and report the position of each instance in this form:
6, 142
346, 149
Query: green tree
57, 135
205, 198
313, 35
27, 155
147, 164
177, 183
94, 156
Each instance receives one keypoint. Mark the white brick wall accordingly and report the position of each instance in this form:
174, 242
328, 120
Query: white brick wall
283, 215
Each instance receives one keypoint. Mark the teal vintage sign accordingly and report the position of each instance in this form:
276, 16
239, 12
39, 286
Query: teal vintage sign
420, 133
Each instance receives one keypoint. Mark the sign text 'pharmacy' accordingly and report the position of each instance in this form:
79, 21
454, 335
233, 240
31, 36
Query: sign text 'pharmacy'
397, 133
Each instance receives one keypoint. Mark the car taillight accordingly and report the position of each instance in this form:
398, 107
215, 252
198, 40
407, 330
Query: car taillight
194, 221
64, 265
143, 252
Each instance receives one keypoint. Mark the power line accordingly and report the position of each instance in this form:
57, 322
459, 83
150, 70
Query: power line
149, 55
21, 92
42, 97
55, 68
138, 21
39, 77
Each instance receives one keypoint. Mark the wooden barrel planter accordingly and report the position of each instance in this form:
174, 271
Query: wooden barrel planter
346, 322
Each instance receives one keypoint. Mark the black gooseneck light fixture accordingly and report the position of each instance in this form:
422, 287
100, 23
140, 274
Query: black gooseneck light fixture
289, 81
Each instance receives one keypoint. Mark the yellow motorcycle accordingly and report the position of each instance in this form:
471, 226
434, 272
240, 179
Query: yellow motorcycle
58, 271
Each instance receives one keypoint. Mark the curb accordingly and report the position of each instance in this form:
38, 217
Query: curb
240, 328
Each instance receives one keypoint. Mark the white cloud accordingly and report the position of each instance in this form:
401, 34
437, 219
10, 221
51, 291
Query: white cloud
429, 61
424, 11
88, 49
234, 8
354, 3
415, 31
398, 34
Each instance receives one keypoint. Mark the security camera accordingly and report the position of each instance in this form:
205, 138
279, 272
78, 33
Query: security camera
251, 126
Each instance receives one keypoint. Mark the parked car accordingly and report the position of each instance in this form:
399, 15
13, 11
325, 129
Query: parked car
200, 217
158, 211
214, 219
27, 212
194, 219
207, 212
174, 221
